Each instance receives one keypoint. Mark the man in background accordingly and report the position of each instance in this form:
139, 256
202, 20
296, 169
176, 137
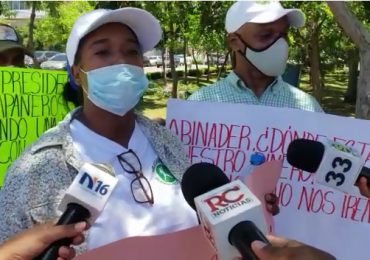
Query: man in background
257, 38
12, 51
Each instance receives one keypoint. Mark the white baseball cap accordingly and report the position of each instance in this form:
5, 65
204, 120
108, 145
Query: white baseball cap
146, 27
243, 12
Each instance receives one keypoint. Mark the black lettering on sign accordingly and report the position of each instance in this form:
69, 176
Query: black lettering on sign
13, 128
10, 150
31, 82
43, 124
30, 103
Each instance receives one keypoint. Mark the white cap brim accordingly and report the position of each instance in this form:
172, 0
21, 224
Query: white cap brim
295, 16
146, 27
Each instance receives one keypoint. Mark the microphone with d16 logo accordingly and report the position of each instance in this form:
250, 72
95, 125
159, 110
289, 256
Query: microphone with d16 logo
83, 201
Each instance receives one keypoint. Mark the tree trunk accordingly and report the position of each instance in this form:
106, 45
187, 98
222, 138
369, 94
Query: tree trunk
164, 67
173, 72
363, 87
218, 61
227, 55
31, 26
196, 66
185, 61
360, 35
315, 74
353, 60
207, 54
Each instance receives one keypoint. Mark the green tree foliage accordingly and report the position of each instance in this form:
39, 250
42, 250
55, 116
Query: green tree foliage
5, 10
357, 28
197, 28
52, 31
207, 32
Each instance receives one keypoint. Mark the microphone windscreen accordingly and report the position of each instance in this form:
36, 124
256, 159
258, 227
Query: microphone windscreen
305, 154
201, 178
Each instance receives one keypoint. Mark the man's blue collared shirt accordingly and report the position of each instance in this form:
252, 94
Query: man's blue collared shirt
278, 94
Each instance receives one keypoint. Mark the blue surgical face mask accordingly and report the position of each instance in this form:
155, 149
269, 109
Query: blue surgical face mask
117, 88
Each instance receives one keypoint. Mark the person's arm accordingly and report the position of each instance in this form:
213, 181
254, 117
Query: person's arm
282, 248
14, 201
30, 243
32, 190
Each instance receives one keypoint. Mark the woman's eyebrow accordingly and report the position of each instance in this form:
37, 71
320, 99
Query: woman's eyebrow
97, 42
106, 40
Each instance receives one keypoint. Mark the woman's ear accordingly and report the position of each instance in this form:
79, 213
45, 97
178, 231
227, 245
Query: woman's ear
77, 75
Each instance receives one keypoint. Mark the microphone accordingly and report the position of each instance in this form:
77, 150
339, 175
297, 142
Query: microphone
231, 216
83, 201
337, 166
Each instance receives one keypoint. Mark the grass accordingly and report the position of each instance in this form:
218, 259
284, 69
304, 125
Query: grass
154, 101
333, 94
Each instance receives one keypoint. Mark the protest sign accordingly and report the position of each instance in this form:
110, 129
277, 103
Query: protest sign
30, 103
226, 135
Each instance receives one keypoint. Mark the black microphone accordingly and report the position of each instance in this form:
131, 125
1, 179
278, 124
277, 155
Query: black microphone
336, 165
231, 216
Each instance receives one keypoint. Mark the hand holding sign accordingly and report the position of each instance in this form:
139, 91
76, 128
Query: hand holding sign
262, 181
363, 185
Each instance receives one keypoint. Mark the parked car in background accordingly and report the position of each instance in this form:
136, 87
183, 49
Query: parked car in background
177, 59
167, 60
180, 61
42, 56
221, 60
57, 62
146, 61
28, 61
155, 61
216, 60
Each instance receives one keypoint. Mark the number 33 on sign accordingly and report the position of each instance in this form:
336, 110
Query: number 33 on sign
339, 168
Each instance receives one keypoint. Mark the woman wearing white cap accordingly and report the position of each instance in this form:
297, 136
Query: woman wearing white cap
105, 50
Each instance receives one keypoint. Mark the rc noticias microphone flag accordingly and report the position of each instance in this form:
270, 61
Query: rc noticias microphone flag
221, 209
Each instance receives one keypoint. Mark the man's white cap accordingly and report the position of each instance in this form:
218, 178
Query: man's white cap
243, 12
146, 27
